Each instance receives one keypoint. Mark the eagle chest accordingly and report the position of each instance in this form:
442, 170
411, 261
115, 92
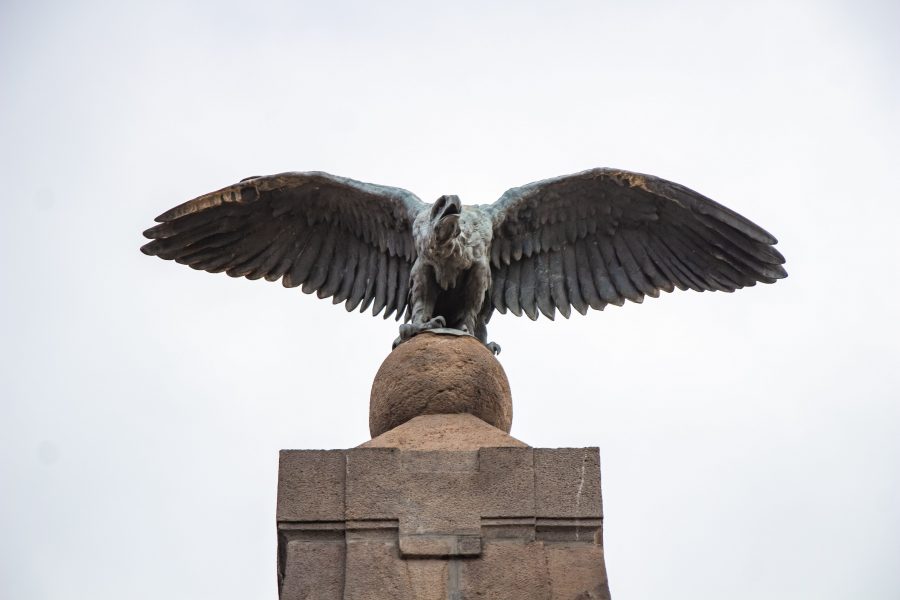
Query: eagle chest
449, 269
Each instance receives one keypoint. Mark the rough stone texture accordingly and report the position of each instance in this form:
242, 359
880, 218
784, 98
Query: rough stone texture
507, 571
317, 564
444, 432
311, 486
439, 374
423, 520
568, 570
563, 486
437, 492
375, 571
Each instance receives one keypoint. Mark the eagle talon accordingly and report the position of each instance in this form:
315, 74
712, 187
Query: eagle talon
493, 347
410, 330
437, 322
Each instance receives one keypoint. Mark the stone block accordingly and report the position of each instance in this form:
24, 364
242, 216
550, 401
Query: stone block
576, 571
382, 522
506, 571
316, 560
567, 482
505, 484
375, 570
311, 485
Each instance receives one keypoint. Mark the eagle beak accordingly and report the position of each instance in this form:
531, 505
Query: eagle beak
452, 209
446, 206
446, 213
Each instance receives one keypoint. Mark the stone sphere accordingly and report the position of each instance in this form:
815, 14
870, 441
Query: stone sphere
439, 374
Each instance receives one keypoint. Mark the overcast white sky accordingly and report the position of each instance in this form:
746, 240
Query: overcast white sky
750, 442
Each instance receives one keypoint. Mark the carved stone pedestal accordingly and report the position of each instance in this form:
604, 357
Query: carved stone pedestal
441, 507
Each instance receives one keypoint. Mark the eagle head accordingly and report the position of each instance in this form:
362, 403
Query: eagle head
445, 217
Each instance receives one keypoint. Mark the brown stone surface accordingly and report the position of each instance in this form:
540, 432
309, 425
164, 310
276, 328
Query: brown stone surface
439, 374
567, 482
444, 432
576, 571
507, 571
438, 492
433, 523
311, 485
375, 571
317, 569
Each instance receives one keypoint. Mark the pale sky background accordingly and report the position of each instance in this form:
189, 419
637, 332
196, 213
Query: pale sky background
750, 442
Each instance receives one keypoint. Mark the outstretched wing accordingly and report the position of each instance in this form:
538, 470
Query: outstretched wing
334, 236
603, 236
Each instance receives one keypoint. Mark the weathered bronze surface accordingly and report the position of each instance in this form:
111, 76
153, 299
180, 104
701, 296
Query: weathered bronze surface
586, 240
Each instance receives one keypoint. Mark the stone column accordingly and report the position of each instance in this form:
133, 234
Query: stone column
442, 506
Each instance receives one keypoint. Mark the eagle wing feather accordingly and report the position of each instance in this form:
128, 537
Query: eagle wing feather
605, 235
331, 235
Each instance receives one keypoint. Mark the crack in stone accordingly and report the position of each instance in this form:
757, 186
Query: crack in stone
584, 459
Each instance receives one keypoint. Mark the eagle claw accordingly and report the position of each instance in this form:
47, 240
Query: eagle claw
408, 330
438, 322
493, 347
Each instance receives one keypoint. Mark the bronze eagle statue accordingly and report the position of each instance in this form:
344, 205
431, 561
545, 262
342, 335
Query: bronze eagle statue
580, 241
